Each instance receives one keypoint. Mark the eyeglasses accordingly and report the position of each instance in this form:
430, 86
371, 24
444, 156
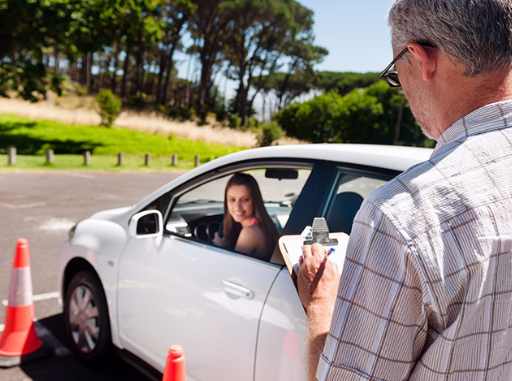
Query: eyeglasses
391, 77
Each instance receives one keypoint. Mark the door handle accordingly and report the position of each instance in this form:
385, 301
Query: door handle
238, 291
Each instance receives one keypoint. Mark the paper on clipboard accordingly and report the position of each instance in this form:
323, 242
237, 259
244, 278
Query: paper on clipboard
291, 250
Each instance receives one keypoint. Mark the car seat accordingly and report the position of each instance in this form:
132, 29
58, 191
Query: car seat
343, 211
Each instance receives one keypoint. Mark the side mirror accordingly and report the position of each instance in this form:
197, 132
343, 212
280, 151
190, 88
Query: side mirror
146, 224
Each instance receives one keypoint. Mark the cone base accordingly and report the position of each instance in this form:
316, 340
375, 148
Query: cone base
19, 336
43, 352
33, 344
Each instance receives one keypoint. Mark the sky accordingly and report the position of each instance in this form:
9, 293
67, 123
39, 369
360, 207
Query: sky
355, 32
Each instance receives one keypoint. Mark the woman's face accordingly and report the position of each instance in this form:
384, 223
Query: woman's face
240, 205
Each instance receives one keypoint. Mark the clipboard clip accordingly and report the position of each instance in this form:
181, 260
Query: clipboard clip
319, 233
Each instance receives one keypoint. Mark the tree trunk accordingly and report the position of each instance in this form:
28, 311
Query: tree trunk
135, 88
57, 62
88, 74
113, 82
126, 66
170, 65
162, 65
285, 83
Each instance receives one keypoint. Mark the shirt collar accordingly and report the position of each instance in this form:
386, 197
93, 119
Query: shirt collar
487, 118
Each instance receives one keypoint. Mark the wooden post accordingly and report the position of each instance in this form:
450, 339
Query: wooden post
175, 159
119, 159
87, 157
49, 156
197, 161
11, 155
147, 159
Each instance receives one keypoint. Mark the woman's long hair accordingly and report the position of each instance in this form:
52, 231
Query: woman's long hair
232, 228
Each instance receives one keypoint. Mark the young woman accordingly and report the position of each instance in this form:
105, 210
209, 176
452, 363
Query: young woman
247, 226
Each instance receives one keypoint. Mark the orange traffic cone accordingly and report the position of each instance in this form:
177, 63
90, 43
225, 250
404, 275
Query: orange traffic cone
19, 337
175, 369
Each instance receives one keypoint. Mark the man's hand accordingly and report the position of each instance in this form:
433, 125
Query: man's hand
318, 286
318, 278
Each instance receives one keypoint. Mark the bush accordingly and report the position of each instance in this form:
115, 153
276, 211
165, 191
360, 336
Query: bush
252, 122
139, 101
211, 118
181, 113
109, 107
315, 120
81, 91
235, 121
269, 133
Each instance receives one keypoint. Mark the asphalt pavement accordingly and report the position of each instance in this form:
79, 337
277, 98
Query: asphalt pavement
42, 207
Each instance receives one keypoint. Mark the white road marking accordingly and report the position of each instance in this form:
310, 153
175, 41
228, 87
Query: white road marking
22, 206
2, 327
39, 297
57, 224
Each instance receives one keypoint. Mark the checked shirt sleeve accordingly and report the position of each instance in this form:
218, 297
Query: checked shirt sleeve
379, 323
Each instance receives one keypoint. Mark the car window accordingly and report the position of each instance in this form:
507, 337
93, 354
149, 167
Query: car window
350, 191
198, 212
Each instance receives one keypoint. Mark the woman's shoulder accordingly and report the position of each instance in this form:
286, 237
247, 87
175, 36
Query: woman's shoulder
252, 229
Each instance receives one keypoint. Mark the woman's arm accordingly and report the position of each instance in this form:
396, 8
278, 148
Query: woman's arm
248, 240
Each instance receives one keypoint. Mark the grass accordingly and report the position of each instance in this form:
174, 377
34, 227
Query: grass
33, 137
75, 110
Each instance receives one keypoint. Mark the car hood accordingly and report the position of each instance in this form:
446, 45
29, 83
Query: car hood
111, 214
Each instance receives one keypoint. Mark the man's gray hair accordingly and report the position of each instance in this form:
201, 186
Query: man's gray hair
478, 33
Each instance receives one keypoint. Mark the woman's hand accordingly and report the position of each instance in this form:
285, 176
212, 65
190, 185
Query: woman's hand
218, 241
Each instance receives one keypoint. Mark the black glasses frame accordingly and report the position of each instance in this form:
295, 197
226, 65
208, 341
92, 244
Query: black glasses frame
391, 77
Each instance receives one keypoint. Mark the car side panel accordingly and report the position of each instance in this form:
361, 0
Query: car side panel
280, 354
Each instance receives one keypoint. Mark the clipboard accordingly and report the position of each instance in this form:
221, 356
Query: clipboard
290, 247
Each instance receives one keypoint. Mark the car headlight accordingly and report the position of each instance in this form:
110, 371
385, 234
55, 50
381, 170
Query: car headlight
71, 231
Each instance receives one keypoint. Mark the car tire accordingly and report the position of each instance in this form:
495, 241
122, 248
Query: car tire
87, 320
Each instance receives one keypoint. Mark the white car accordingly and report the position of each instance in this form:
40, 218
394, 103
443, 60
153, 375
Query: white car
141, 278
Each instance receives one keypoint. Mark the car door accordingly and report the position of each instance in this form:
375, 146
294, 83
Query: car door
337, 197
174, 291
181, 289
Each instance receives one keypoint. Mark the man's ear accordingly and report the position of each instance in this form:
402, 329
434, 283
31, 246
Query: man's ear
426, 57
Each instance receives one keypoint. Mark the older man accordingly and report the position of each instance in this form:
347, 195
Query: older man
426, 290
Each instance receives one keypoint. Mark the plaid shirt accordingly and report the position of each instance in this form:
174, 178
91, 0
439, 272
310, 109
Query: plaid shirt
426, 289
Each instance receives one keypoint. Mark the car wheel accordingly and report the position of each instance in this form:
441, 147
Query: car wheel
87, 320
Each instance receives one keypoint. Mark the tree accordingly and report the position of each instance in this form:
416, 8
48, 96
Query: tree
174, 17
258, 27
29, 29
209, 27
362, 116
345, 82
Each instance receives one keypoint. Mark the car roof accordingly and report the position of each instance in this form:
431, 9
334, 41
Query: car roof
397, 158
391, 157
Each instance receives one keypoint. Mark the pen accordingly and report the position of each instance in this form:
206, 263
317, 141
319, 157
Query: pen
331, 250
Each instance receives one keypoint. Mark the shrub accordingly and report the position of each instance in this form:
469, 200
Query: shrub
109, 107
81, 91
269, 133
211, 118
139, 101
252, 122
235, 121
315, 120
181, 113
